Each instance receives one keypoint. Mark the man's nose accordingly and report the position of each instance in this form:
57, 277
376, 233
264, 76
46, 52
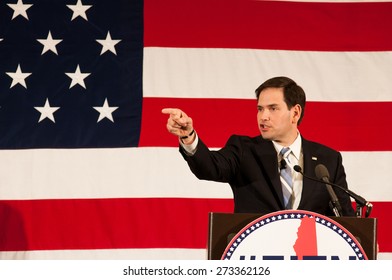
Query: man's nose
264, 115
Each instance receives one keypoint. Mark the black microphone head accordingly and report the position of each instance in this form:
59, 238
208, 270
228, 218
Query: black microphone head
297, 168
321, 171
283, 164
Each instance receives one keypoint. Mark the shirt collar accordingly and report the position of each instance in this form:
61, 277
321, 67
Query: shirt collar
295, 147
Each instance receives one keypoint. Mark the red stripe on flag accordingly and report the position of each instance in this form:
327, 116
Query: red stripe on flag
268, 25
124, 223
345, 126
107, 223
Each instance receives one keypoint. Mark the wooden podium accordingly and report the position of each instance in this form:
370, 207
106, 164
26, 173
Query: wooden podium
224, 226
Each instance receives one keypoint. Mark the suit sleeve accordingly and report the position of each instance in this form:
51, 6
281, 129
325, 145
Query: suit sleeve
220, 165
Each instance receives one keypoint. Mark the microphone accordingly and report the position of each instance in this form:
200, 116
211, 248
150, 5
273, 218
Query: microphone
283, 164
358, 199
323, 174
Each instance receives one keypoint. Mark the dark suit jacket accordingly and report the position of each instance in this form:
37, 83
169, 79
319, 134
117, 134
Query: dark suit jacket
250, 166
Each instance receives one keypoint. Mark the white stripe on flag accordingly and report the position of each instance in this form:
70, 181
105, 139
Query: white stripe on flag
137, 172
121, 254
112, 254
236, 73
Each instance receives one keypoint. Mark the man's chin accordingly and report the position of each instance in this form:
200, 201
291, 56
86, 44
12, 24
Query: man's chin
266, 136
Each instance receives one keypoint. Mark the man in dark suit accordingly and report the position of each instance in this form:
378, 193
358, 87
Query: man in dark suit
260, 169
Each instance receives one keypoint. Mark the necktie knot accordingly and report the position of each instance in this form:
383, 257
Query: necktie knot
284, 153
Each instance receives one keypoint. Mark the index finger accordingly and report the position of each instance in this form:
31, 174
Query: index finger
172, 111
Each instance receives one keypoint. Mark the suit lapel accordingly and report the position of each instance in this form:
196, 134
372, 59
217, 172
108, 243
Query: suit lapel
269, 166
310, 157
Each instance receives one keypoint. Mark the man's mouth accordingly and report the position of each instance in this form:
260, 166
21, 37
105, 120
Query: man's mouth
264, 127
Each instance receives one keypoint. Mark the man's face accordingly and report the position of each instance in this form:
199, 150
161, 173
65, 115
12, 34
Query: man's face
276, 122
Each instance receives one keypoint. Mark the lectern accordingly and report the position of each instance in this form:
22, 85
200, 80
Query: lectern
224, 226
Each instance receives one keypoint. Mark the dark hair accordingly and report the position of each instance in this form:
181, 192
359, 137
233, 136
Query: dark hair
293, 93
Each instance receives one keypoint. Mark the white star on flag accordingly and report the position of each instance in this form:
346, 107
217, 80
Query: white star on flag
78, 77
79, 10
47, 111
20, 9
18, 77
49, 44
108, 44
105, 111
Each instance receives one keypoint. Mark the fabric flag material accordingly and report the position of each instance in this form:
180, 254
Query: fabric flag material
87, 168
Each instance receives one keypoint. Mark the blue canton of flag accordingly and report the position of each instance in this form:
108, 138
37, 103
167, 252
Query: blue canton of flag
70, 73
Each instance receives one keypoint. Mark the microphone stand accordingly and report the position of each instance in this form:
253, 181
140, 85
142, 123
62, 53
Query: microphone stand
334, 202
359, 200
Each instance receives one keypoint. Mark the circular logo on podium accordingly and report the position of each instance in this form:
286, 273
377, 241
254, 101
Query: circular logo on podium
294, 235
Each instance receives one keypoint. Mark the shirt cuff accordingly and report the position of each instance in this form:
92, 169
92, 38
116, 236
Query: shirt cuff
191, 148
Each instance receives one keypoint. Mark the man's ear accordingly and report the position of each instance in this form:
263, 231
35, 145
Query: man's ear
297, 110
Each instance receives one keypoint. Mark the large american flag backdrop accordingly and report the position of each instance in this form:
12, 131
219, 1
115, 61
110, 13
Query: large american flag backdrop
87, 168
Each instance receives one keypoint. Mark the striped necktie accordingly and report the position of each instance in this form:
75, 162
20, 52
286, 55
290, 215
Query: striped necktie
286, 178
